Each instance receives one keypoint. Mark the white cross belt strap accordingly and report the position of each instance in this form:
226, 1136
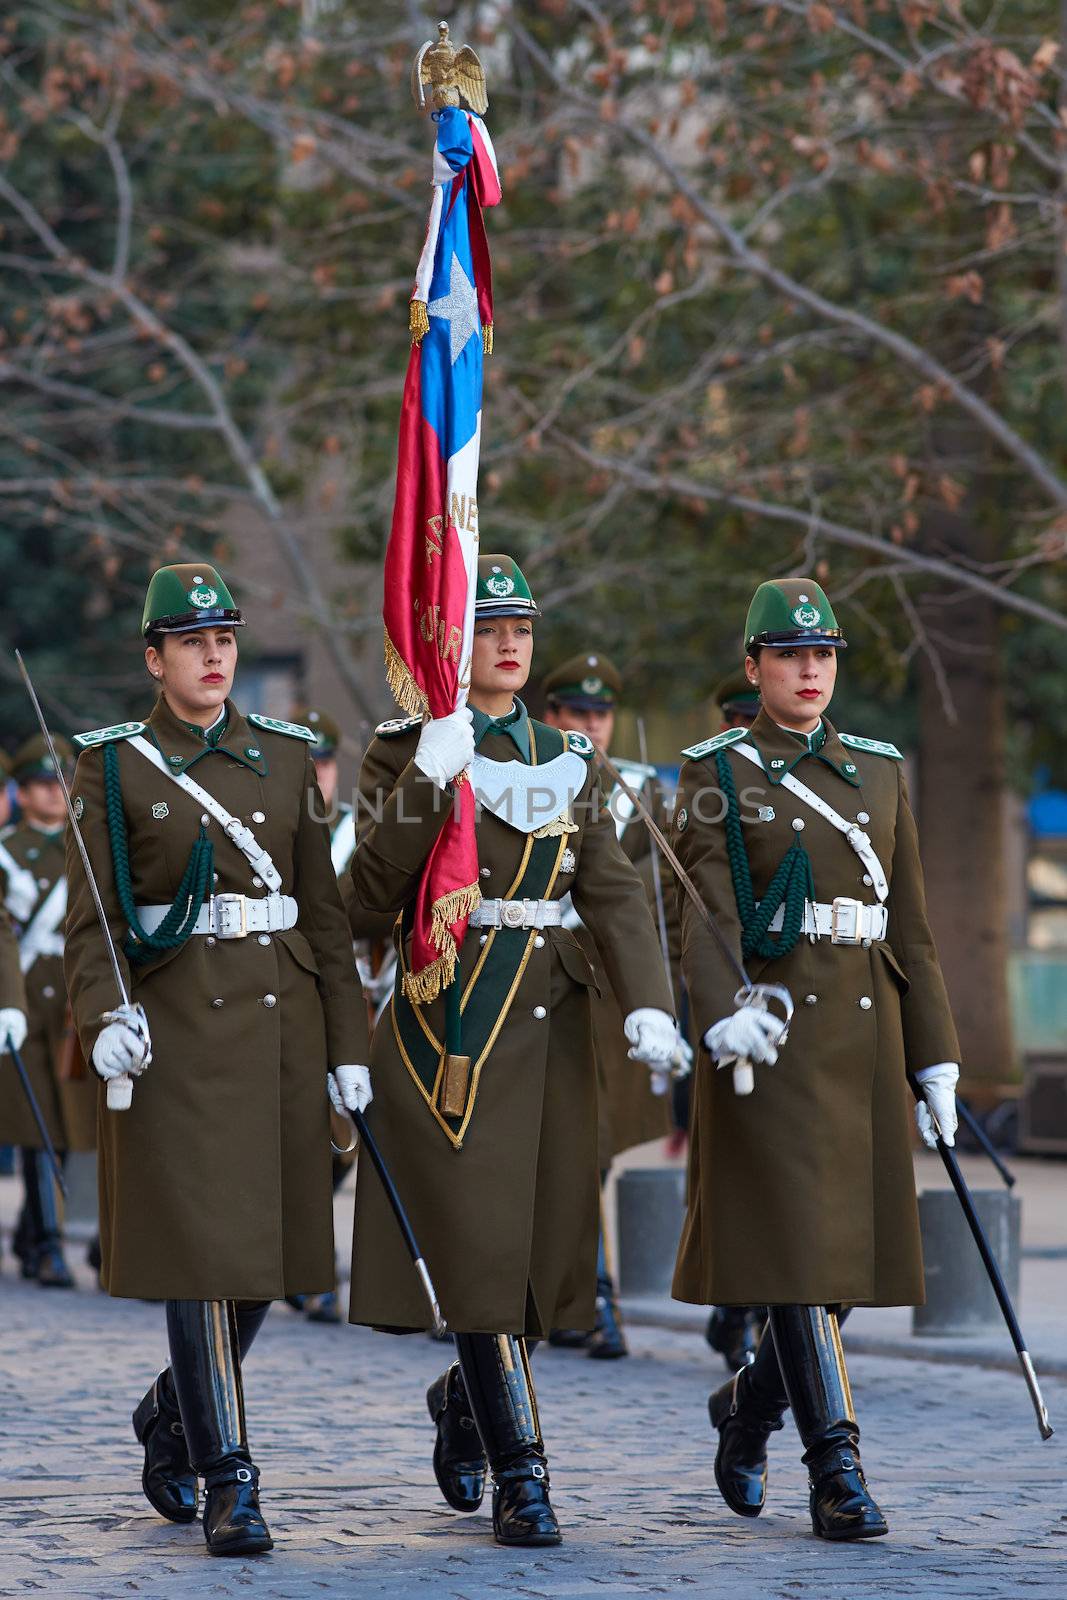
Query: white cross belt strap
517, 914
845, 921
21, 895
42, 936
855, 835
232, 826
232, 916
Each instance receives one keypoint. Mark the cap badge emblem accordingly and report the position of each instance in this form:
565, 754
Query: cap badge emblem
160, 810
592, 685
808, 616
203, 597
500, 587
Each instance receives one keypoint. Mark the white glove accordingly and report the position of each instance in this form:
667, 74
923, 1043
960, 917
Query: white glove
751, 1034
446, 746
680, 1066
938, 1085
349, 1089
122, 1047
652, 1036
13, 1027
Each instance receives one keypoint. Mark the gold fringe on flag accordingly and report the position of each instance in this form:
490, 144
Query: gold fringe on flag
418, 321
409, 696
487, 339
422, 987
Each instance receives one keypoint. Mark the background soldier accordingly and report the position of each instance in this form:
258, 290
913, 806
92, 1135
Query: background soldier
221, 897
582, 694
33, 865
801, 1195
494, 1149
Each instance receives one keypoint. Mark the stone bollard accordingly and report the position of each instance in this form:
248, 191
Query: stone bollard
959, 1296
650, 1205
79, 1213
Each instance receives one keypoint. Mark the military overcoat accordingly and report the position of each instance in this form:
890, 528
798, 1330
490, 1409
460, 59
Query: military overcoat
216, 1183
504, 1200
803, 1192
67, 1105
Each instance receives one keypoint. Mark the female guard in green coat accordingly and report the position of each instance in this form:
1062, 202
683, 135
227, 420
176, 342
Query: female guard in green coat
801, 1194
494, 1149
202, 827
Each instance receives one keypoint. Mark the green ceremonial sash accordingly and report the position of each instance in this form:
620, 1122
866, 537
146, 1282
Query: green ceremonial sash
491, 988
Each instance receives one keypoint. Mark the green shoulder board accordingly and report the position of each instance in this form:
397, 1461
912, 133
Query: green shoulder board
877, 747
292, 730
395, 726
120, 730
581, 744
718, 742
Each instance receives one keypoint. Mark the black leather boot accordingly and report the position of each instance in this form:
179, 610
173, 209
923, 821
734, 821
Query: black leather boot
459, 1462
52, 1270
25, 1241
496, 1376
733, 1332
808, 1342
607, 1342
746, 1411
206, 1365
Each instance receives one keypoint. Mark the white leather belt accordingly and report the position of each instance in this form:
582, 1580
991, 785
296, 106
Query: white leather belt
517, 914
232, 916
846, 921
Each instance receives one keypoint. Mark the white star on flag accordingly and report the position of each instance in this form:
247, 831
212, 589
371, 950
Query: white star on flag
459, 307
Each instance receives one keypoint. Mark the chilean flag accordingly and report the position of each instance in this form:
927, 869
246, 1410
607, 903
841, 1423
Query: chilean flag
431, 562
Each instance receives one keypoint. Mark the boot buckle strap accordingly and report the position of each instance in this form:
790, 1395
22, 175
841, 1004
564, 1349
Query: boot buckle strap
537, 1470
243, 1475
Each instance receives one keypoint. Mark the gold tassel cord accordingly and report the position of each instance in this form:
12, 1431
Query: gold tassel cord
418, 321
457, 903
487, 339
423, 986
406, 691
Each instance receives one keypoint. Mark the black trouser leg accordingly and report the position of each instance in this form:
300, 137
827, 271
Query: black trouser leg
496, 1376
733, 1331
807, 1340
205, 1359
52, 1270
607, 1341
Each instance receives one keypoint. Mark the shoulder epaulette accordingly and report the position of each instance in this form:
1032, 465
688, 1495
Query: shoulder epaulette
719, 741
580, 743
876, 747
292, 730
395, 726
119, 730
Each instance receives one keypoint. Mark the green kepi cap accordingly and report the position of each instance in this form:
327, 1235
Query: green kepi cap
189, 596
502, 590
325, 728
586, 682
32, 759
736, 697
791, 611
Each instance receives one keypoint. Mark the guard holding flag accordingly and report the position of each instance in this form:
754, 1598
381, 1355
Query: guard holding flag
485, 1104
204, 833
801, 842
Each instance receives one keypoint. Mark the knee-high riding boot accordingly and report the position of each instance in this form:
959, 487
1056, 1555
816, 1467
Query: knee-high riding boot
746, 1411
168, 1479
607, 1342
496, 1376
459, 1462
206, 1367
808, 1342
52, 1270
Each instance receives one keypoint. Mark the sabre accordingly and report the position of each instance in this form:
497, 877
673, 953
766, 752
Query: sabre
35, 1112
119, 1090
366, 1138
750, 993
989, 1261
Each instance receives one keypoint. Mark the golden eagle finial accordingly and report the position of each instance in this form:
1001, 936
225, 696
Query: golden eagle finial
448, 73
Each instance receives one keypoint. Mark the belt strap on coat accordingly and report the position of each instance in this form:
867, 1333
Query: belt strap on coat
845, 921
232, 916
517, 914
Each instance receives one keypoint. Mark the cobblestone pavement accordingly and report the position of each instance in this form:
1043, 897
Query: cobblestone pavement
975, 1501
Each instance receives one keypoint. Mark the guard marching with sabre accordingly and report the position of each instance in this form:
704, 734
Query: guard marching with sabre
801, 1194
203, 832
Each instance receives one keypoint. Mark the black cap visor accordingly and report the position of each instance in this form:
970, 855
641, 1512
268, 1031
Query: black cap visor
192, 621
505, 608
797, 638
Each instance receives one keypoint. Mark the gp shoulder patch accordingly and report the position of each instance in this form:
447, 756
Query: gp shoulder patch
876, 747
581, 744
292, 730
395, 726
718, 742
119, 730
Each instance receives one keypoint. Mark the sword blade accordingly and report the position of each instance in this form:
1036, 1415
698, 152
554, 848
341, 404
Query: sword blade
36, 1114
657, 881
109, 942
367, 1140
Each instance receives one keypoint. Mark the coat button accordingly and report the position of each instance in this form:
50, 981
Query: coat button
810, 999
48, 991
259, 816
204, 819
257, 883
211, 941
483, 939
264, 938
214, 877
868, 880
861, 816
866, 944
798, 823
217, 1002
539, 942
484, 872
270, 1000
540, 1013
865, 1002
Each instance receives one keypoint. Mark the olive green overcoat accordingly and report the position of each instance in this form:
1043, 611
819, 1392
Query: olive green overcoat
803, 1192
68, 1107
506, 1208
216, 1183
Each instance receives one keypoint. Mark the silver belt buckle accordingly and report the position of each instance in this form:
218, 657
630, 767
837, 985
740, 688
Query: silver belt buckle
513, 913
846, 920
229, 913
